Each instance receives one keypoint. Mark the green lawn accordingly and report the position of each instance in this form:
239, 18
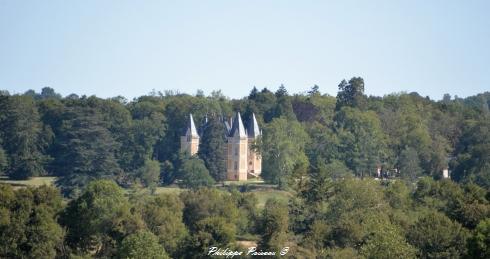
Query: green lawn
34, 181
251, 181
175, 190
264, 195
263, 192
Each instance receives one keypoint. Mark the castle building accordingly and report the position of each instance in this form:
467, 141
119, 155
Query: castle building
242, 161
190, 141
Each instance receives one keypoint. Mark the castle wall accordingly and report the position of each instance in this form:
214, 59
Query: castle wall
237, 149
189, 144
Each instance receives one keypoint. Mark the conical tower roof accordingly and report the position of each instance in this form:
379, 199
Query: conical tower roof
191, 126
253, 127
238, 127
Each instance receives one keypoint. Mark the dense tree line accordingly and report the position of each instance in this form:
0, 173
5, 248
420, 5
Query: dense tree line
330, 218
85, 138
364, 174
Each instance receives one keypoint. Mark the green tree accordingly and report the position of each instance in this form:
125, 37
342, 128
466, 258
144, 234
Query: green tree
22, 132
86, 149
210, 232
150, 173
473, 160
351, 94
3, 160
387, 242
479, 243
436, 236
274, 226
362, 141
146, 129
409, 164
282, 148
96, 220
212, 147
195, 174
282, 107
163, 216
204, 203
320, 183
28, 227
141, 245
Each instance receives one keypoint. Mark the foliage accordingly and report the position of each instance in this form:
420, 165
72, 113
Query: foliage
323, 151
362, 141
24, 136
142, 244
473, 161
409, 164
351, 93
163, 216
97, 218
212, 147
479, 243
80, 158
28, 227
282, 148
150, 173
195, 174
436, 236
274, 226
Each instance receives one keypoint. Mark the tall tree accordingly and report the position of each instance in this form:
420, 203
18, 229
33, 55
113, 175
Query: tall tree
142, 244
164, 217
362, 141
438, 237
409, 164
274, 226
24, 136
282, 148
96, 220
351, 94
3, 160
479, 243
473, 160
28, 227
86, 149
212, 148
194, 173
149, 173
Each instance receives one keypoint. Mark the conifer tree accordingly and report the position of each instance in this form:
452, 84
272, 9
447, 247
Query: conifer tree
212, 148
22, 132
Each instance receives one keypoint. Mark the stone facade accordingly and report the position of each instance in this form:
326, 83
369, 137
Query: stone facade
242, 161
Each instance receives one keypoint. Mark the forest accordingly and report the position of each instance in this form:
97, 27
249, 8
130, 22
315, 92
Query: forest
363, 175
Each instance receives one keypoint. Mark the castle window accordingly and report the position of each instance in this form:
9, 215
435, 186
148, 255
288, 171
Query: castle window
236, 165
236, 151
250, 163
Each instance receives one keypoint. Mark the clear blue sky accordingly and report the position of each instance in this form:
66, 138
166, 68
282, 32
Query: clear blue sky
128, 48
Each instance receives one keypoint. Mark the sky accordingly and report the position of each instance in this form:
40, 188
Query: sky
111, 48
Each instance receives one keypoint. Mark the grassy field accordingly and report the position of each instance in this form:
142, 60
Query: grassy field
34, 181
264, 195
261, 190
175, 190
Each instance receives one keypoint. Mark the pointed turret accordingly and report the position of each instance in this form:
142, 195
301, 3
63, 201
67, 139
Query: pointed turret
190, 141
237, 127
192, 127
253, 127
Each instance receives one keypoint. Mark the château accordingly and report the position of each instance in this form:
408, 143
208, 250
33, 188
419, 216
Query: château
242, 161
